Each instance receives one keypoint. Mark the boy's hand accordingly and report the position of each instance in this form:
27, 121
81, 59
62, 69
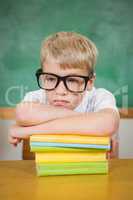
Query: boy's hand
27, 113
32, 113
114, 149
16, 134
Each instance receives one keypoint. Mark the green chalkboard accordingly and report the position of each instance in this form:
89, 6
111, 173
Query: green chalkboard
25, 23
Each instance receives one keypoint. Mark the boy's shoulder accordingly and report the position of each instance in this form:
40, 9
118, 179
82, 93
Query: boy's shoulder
97, 99
102, 92
35, 96
98, 93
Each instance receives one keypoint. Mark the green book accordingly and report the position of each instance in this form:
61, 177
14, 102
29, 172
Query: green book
72, 168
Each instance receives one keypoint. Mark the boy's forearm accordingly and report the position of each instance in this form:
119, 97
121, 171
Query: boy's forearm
30, 113
102, 123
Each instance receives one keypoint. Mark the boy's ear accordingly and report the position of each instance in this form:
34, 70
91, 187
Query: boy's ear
90, 83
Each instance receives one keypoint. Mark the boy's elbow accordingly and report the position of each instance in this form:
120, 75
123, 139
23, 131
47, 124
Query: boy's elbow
114, 121
22, 116
110, 121
113, 128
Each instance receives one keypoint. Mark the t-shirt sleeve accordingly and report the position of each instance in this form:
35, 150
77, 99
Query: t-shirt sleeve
104, 99
35, 96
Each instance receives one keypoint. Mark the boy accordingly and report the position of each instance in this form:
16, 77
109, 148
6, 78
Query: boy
67, 102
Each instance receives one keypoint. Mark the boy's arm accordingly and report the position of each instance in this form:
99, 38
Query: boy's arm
102, 123
34, 113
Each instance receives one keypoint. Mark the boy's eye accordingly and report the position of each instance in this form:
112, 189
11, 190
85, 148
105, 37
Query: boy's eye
75, 80
72, 80
49, 78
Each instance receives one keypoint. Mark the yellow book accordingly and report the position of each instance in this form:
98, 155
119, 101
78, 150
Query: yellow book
69, 157
80, 139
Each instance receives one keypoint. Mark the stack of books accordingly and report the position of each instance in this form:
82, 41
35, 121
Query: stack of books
58, 154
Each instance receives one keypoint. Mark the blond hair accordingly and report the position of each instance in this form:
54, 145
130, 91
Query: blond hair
70, 50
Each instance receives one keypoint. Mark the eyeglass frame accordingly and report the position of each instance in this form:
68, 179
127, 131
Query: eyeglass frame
63, 78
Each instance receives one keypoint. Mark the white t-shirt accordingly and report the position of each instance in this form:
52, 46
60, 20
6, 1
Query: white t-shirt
93, 100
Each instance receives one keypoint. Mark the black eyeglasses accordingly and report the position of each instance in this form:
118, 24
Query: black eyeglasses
73, 83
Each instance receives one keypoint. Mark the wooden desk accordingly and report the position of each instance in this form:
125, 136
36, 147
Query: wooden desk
18, 180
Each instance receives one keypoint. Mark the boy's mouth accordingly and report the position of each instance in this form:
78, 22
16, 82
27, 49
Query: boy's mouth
60, 103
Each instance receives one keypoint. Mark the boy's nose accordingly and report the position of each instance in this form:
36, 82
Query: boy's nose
61, 89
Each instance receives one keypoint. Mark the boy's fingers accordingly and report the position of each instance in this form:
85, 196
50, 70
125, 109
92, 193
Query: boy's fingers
14, 141
19, 140
114, 150
109, 155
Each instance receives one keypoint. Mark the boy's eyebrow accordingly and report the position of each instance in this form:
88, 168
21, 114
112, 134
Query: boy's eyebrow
71, 74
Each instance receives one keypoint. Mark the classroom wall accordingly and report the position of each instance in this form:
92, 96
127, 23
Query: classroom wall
126, 138
8, 152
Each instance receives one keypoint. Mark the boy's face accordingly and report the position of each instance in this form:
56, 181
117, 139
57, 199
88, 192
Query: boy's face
60, 96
